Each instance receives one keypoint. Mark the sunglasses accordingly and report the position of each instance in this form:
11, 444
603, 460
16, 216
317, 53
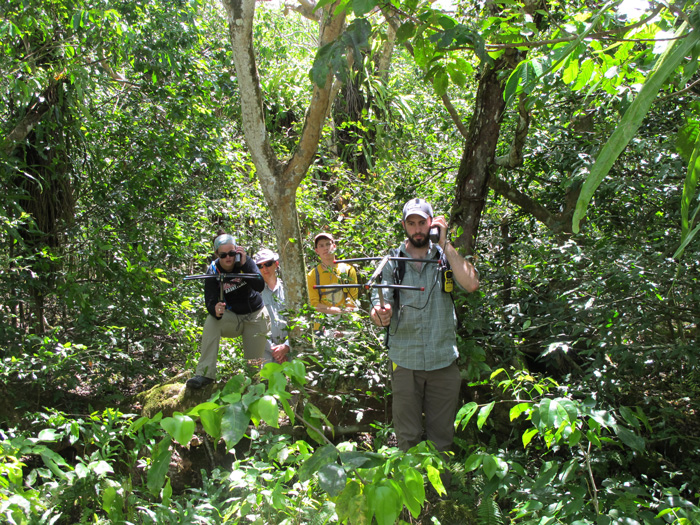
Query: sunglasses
267, 264
229, 254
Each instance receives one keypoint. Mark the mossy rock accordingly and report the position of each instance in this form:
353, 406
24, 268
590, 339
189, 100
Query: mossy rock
172, 397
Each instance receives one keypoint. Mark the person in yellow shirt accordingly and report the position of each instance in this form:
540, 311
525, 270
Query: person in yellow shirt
333, 301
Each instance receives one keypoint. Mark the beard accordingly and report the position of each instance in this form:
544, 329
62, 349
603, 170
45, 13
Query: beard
419, 243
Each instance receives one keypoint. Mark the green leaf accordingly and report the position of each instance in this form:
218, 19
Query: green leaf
323, 456
352, 507
413, 490
362, 7
631, 121
266, 409
405, 31
101, 468
315, 417
689, 191
473, 462
571, 71
357, 459
456, 75
519, 409
234, 423
484, 414
489, 465
546, 475
514, 82
528, 435
47, 434
630, 439
180, 427
384, 501
494, 466
440, 82
195, 411
465, 414
237, 384
332, 478
434, 478
322, 3
160, 462
166, 493
211, 422
321, 67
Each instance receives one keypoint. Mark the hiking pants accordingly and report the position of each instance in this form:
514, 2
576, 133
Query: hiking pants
433, 394
254, 327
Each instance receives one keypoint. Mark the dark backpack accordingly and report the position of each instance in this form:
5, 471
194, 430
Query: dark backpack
400, 272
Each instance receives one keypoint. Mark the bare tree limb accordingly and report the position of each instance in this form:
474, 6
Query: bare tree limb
514, 157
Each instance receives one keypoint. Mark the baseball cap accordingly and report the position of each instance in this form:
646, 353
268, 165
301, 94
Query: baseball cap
323, 235
417, 207
224, 238
265, 255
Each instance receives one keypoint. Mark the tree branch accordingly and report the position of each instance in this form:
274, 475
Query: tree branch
558, 223
331, 28
31, 118
305, 8
514, 157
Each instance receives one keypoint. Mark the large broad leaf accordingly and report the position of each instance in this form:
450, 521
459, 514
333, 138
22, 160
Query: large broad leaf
352, 507
689, 189
160, 461
547, 473
357, 459
494, 466
631, 121
413, 490
313, 417
266, 409
465, 414
362, 7
234, 423
211, 421
180, 428
405, 31
323, 456
332, 478
484, 414
385, 501
630, 439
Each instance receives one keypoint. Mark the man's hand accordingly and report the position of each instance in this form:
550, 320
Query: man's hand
279, 352
381, 315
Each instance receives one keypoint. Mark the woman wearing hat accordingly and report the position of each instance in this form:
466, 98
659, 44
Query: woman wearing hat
273, 296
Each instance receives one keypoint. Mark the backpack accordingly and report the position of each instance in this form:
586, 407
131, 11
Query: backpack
400, 272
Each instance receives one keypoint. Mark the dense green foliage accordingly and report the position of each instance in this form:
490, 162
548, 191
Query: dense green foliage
580, 352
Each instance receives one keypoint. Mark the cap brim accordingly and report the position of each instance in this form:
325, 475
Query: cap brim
420, 213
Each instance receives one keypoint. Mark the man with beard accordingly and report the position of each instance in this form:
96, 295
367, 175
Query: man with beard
421, 337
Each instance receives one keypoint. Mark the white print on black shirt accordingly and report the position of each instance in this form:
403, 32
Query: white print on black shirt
235, 284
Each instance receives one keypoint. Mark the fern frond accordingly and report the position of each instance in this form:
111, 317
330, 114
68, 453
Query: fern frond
489, 513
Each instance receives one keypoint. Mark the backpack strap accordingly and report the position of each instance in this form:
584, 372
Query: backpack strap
400, 272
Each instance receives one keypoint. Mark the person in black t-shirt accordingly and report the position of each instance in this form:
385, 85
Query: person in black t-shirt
235, 309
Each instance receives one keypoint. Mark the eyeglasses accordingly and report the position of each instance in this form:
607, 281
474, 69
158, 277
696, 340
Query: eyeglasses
267, 264
232, 253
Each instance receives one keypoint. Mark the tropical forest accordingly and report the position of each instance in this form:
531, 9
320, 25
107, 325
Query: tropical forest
559, 141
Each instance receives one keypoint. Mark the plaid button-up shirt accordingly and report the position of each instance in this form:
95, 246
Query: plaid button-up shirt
422, 331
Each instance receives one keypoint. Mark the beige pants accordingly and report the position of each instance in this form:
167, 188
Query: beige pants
254, 328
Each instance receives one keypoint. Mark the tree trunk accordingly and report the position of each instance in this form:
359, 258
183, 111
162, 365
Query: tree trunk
478, 156
279, 181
